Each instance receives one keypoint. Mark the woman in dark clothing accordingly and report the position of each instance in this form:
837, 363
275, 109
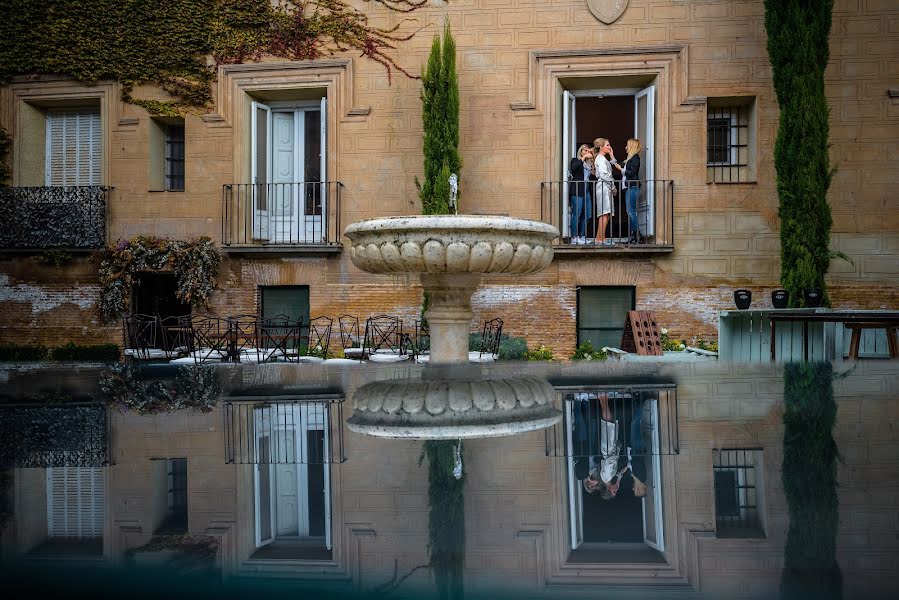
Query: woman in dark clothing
579, 193
631, 181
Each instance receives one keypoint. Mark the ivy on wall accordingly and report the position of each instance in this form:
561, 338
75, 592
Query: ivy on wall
177, 44
5, 142
195, 263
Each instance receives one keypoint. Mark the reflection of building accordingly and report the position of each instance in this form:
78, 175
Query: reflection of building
719, 517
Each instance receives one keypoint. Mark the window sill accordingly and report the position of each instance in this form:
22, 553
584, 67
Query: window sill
751, 182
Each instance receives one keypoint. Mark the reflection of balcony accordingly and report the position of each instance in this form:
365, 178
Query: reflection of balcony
277, 217
37, 218
654, 208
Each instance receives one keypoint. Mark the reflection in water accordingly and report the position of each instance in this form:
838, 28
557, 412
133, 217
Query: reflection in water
809, 480
193, 387
446, 518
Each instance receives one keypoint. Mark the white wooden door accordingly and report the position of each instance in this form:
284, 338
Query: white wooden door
74, 150
653, 509
75, 502
287, 154
575, 490
263, 475
260, 165
569, 148
644, 127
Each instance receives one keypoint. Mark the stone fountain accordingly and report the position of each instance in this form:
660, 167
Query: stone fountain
451, 253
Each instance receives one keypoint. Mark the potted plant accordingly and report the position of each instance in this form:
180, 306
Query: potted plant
812, 298
779, 298
743, 298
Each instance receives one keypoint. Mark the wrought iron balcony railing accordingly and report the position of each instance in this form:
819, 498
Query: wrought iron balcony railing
281, 214
576, 219
43, 218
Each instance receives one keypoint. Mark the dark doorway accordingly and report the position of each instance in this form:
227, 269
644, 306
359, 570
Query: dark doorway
611, 117
155, 294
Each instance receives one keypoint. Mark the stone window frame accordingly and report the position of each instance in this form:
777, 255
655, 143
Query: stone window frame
725, 173
45, 92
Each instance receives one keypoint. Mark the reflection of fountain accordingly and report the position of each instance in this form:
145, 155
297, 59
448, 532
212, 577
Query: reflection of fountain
440, 408
451, 252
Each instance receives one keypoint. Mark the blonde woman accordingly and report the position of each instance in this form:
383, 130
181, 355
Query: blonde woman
631, 182
605, 158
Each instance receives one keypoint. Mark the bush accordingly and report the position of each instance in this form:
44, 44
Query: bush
96, 352
510, 348
586, 352
541, 353
670, 345
69, 352
14, 352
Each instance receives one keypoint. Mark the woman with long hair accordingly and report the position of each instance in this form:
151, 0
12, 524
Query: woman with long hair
631, 183
579, 193
605, 158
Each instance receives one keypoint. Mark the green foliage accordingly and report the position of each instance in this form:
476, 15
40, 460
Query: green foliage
168, 43
194, 388
540, 353
809, 477
510, 348
195, 264
24, 353
69, 352
440, 123
5, 143
7, 509
704, 345
586, 352
798, 50
668, 344
57, 258
446, 517
93, 353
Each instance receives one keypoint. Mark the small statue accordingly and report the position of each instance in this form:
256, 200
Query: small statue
454, 191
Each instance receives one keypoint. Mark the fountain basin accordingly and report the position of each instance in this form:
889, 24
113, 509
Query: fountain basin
453, 409
451, 244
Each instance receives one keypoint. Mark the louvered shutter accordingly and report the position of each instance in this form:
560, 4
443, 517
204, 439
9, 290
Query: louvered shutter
75, 502
73, 148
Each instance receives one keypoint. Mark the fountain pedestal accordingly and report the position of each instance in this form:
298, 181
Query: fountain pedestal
449, 314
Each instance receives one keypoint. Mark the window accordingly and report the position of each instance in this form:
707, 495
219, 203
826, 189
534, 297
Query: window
601, 314
167, 155
730, 140
73, 155
289, 300
738, 492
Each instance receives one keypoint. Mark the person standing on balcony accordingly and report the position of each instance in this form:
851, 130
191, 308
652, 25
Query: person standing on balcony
605, 158
631, 184
605, 476
579, 196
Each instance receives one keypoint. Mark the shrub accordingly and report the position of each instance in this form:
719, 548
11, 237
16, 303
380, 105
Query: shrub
541, 353
670, 345
95, 352
510, 348
14, 352
586, 352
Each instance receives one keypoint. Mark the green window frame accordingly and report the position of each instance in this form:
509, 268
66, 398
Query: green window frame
601, 314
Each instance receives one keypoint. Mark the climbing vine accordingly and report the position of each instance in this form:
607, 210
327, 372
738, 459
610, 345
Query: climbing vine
5, 143
177, 44
195, 263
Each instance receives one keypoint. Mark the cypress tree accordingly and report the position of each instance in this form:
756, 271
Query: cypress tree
440, 123
798, 50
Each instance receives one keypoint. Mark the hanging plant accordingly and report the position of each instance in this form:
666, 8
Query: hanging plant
195, 264
194, 388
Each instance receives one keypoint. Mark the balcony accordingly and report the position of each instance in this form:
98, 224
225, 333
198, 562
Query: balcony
44, 218
281, 217
655, 213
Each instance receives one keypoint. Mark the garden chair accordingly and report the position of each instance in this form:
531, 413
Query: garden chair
384, 340
350, 338
140, 333
488, 350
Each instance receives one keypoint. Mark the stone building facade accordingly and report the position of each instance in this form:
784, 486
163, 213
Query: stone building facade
524, 66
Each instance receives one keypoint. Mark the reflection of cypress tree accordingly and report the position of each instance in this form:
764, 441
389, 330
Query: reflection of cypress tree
446, 520
809, 480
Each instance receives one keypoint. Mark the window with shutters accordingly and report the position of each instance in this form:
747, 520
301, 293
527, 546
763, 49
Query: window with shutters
75, 503
167, 155
74, 149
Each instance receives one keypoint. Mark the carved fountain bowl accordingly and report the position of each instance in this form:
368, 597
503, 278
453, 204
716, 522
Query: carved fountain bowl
453, 409
451, 244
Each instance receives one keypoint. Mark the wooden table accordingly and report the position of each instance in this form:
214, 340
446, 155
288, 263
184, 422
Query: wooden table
852, 320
